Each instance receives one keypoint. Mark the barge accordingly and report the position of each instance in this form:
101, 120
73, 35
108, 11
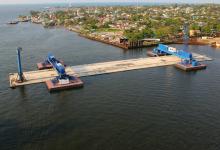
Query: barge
190, 67
59, 84
47, 65
153, 54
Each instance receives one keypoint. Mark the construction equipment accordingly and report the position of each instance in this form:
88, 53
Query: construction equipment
187, 63
20, 72
57, 66
62, 77
63, 80
47, 65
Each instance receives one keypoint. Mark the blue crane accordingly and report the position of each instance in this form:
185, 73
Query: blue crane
186, 57
20, 72
58, 67
63, 80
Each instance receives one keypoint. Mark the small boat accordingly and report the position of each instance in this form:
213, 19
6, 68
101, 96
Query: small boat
215, 44
13, 22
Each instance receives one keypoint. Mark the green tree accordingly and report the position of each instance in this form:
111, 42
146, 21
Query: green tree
207, 30
163, 32
194, 26
133, 35
148, 32
34, 13
218, 27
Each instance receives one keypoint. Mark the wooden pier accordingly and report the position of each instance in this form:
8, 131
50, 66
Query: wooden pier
40, 76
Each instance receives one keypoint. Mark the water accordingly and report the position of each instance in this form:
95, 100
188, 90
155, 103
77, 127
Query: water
156, 108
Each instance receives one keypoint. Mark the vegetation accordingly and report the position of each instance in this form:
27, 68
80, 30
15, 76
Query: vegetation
137, 23
34, 13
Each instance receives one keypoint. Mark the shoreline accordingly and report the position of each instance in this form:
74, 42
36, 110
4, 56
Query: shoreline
116, 44
192, 41
135, 45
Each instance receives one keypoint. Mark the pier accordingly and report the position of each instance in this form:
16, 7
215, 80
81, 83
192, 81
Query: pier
39, 76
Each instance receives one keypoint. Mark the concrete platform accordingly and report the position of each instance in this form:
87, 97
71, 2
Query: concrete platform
40, 76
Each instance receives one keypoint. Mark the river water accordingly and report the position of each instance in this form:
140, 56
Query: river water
156, 108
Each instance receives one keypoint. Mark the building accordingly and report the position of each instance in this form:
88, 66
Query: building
193, 33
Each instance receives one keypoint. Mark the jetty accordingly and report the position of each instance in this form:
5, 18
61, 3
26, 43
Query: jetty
39, 76
124, 44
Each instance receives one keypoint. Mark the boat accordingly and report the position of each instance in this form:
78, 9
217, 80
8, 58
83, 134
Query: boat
215, 44
13, 22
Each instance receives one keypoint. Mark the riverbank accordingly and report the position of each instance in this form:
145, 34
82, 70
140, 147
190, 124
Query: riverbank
128, 45
200, 41
142, 44
117, 41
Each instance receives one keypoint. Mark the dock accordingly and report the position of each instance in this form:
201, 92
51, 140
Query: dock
39, 76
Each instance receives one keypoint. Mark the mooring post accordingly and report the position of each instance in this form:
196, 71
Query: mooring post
20, 73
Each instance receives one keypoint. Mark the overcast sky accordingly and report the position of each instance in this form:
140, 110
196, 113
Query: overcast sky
77, 1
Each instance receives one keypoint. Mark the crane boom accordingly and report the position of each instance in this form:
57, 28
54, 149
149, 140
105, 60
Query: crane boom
164, 49
57, 66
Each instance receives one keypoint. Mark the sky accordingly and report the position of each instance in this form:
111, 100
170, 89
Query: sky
78, 1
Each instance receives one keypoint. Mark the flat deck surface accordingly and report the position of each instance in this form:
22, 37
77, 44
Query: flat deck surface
100, 68
38, 76
190, 67
76, 83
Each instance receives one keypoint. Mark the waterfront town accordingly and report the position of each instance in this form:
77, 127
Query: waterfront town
136, 26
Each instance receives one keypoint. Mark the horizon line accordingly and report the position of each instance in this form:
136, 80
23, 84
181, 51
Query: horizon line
109, 3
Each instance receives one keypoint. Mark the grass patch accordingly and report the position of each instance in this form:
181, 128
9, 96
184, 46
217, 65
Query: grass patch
107, 30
